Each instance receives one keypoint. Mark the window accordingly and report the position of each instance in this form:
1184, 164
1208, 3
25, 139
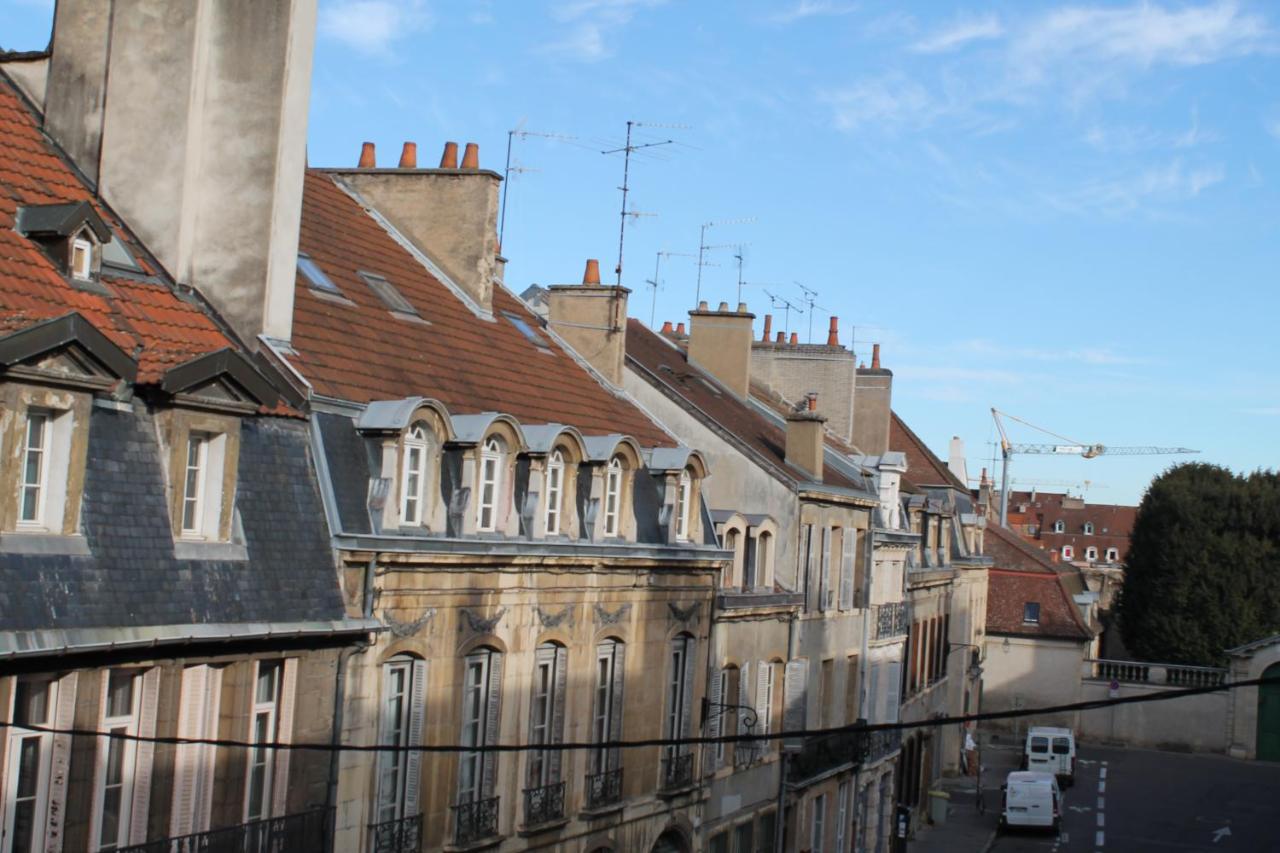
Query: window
198, 712
555, 492
679, 692
763, 559
390, 296
1088, 528
481, 705
121, 702
1113, 555
316, 276
743, 837
842, 816
28, 756
270, 720
768, 827
606, 721
824, 577
732, 539
766, 676
848, 566
684, 490
413, 475
491, 463
613, 497
525, 329
818, 832
401, 723
546, 717
1068, 552
721, 713
81, 259
35, 469
1059, 526
852, 700
1031, 613
193, 483
826, 692
1091, 554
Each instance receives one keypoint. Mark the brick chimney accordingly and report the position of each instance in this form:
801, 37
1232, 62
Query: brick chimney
805, 430
592, 318
192, 120
449, 214
826, 368
720, 344
871, 412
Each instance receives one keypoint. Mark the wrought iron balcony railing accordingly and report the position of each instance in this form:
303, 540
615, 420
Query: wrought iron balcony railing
820, 755
475, 821
677, 772
397, 836
544, 804
891, 620
882, 743
302, 831
604, 789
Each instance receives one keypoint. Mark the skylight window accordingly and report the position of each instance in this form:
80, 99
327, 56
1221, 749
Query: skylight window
315, 275
387, 292
525, 329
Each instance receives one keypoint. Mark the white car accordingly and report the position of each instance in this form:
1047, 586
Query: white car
1031, 798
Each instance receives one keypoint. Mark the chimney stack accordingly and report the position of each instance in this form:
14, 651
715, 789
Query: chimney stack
449, 157
768, 328
409, 156
471, 156
805, 430
368, 157
871, 414
833, 333
875, 356
720, 343
666, 327
592, 319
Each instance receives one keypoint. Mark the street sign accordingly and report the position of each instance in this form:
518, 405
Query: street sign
1113, 689
903, 821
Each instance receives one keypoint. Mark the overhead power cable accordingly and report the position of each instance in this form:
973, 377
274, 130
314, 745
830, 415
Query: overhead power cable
852, 728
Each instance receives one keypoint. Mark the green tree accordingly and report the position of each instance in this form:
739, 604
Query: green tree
1203, 569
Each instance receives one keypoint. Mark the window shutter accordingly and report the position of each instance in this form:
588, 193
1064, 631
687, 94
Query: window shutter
715, 697
891, 691
873, 694
143, 756
211, 696
615, 711
494, 710
810, 571
848, 551
557, 711
417, 722
824, 591
687, 711
191, 715
64, 718
795, 697
763, 709
284, 734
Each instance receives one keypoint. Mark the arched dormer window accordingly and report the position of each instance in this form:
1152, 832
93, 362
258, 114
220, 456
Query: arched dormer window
1059, 526
684, 500
1088, 528
732, 542
81, 258
761, 570
555, 492
492, 461
1091, 554
613, 497
413, 474
1113, 555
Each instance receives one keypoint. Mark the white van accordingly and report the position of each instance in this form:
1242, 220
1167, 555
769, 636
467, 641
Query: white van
1051, 750
1031, 798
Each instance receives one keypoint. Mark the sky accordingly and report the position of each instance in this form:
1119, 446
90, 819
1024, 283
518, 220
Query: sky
1069, 212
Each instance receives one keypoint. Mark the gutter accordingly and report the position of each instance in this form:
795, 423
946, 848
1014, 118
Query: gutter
524, 548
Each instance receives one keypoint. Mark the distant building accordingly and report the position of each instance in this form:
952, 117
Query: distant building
1079, 532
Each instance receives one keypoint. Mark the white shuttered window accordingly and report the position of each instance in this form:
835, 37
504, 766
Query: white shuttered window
403, 715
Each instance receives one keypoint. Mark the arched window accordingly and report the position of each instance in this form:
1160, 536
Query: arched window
413, 475
613, 497
546, 723
492, 458
677, 767
1088, 528
606, 722
1059, 526
481, 705
1068, 552
401, 718
763, 556
684, 495
555, 492
1113, 555
732, 542
1091, 553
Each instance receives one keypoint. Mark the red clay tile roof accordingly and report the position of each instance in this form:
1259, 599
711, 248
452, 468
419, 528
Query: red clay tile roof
147, 317
360, 352
666, 366
923, 467
1021, 574
1112, 523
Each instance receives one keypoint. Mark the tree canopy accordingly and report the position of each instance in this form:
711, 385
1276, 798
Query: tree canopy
1203, 569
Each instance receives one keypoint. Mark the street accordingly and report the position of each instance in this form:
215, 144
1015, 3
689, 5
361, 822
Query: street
1138, 800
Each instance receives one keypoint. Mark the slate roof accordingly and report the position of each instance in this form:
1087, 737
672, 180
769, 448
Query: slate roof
667, 368
1021, 574
140, 316
355, 350
923, 467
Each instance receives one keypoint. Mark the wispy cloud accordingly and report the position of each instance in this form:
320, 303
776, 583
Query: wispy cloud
1165, 184
811, 9
1094, 355
1272, 411
960, 34
891, 101
1273, 127
594, 23
372, 26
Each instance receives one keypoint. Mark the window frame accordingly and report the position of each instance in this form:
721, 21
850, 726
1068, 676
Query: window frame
606, 711
129, 724
260, 709
1031, 613
615, 473
818, 824
1113, 555
475, 729
492, 460
546, 713
1091, 553
416, 441
18, 736
41, 485
553, 509
193, 491
81, 243
684, 497
678, 692
400, 794
1068, 552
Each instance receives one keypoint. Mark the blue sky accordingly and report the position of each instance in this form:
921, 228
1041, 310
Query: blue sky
1069, 212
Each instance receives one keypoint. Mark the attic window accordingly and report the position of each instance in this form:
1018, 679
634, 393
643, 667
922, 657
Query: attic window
1059, 526
525, 329
1031, 613
315, 276
1088, 528
82, 258
387, 292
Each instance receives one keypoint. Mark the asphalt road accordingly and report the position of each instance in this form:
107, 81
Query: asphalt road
1131, 800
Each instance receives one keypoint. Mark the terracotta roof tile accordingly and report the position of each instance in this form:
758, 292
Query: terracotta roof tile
137, 315
357, 350
1023, 573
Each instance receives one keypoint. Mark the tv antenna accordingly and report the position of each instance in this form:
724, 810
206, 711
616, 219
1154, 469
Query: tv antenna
512, 135
655, 283
626, 187
703, 248
786, 304
809, 294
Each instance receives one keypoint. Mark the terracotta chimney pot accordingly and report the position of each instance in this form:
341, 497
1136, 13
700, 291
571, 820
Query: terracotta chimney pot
724, 307
409, 156
702, 306
680, 329
768, 328
449, 159
742, 307
591, 275
471, 156
666, 328
875, 356
795, 339
812, 401
833, 333
368, 157
782, 337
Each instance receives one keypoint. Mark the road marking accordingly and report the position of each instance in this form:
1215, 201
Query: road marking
1100, 840
1102, 819
1102, 787
1102, 774
1078, 808
1102, 803
1218, 833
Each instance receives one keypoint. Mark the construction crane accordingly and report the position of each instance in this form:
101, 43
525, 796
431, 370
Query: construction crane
1069, 448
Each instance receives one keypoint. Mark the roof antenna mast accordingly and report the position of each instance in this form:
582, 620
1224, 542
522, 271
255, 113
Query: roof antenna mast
626, 186
519, 133
703, 248
809, 294
655, 283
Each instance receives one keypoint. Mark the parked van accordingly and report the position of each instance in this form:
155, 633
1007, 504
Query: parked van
1051, 750
1031, 798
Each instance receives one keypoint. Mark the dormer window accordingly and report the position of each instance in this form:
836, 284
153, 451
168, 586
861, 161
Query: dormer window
35, 469
492, 458
684, 494
82, 259
1091, 554
555, 492
1068, 553
1031, 613
1059, 526
1088, 528
613, 496
196, 473
1113, 555
413, 475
